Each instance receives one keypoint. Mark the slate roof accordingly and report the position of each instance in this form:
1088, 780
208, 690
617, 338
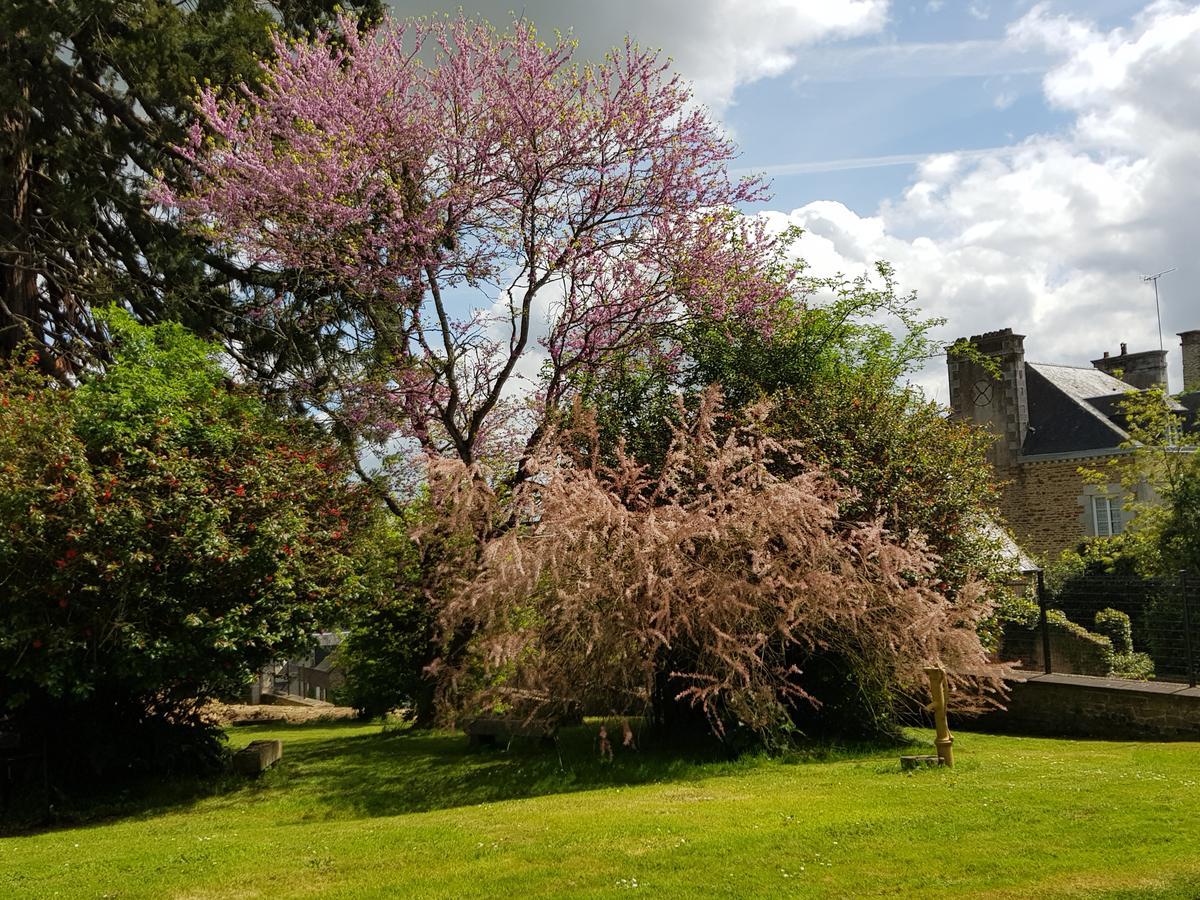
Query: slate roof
1009, 548
1073, 409
1081, 382
1061, 418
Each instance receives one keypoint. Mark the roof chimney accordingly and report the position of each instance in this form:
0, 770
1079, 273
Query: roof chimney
1191, 360
1138, 370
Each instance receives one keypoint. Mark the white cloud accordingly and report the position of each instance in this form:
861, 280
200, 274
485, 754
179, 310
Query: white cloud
718, 44
1051, 236
867, 162
924, 59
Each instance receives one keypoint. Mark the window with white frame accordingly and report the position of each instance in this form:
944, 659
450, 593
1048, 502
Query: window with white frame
1106, 516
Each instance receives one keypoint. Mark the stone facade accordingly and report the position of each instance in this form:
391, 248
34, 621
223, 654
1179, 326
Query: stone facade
1140, 370
999, 405
1049, 420
1047, 504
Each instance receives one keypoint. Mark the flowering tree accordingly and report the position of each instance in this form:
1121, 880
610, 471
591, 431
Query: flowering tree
436, 158
709, 579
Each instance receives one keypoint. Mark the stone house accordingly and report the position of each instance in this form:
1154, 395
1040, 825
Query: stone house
1049, 420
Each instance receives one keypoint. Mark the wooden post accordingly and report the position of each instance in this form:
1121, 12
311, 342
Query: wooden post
944, 741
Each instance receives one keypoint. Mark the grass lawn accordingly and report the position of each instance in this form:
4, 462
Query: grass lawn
356, 810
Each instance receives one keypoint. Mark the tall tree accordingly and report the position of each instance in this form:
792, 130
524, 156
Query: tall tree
438, 158
832, 367
162, 536
704, 580
93, 96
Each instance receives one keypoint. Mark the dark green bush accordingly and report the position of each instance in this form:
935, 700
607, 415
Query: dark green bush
162, 535
1115, 625
384, 657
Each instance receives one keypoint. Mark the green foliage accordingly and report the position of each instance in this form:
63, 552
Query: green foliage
1018, 608
1162, 475
1115, 625
162, 535
1124, 662
1119, 555
1179, 535
1161, 472
1135, 666
390, 641
832, 370
921, 473
384, 658
1103, 580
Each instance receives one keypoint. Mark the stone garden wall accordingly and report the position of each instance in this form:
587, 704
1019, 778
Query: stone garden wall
1083, 706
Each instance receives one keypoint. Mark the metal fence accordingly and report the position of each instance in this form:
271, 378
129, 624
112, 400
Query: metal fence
1119, 626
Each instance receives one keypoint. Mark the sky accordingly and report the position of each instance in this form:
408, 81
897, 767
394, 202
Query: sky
1019, 164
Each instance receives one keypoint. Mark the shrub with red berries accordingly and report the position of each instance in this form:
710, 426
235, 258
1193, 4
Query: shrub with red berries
162, 534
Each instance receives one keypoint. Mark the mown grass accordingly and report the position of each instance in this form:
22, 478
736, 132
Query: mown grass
359, 811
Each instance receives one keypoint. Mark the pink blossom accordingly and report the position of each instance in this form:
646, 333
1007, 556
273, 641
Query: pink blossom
436, 156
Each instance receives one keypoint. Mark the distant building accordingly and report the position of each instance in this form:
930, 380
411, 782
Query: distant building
1051, 419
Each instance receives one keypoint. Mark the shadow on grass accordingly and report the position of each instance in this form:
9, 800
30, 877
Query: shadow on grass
344, 773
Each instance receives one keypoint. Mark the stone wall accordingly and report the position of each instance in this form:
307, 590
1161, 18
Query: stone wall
1140, 370
1081, 706
1073, 649
1042, 504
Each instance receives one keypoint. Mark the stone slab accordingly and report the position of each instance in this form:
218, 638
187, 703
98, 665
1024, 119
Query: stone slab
258, 756
1115, 684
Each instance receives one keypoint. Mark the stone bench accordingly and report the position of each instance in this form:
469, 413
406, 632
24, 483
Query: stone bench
490, 730
257, 757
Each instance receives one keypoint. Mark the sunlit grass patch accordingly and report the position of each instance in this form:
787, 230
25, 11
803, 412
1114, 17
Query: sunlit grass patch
358, 810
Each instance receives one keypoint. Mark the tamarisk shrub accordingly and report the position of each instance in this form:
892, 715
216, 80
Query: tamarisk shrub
711, 573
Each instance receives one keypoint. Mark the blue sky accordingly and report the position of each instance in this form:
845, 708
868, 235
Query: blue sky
1020, 164
936, 79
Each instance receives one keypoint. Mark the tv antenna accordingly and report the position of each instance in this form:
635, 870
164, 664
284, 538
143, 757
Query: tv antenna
1157, 308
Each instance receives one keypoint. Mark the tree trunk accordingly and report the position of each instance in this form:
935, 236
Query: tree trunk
18, 278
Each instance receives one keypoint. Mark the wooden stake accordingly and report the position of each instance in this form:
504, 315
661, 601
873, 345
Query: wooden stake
944, 741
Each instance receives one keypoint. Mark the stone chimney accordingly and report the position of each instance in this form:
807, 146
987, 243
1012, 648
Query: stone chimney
1139, 370
999, 404
1191, 360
